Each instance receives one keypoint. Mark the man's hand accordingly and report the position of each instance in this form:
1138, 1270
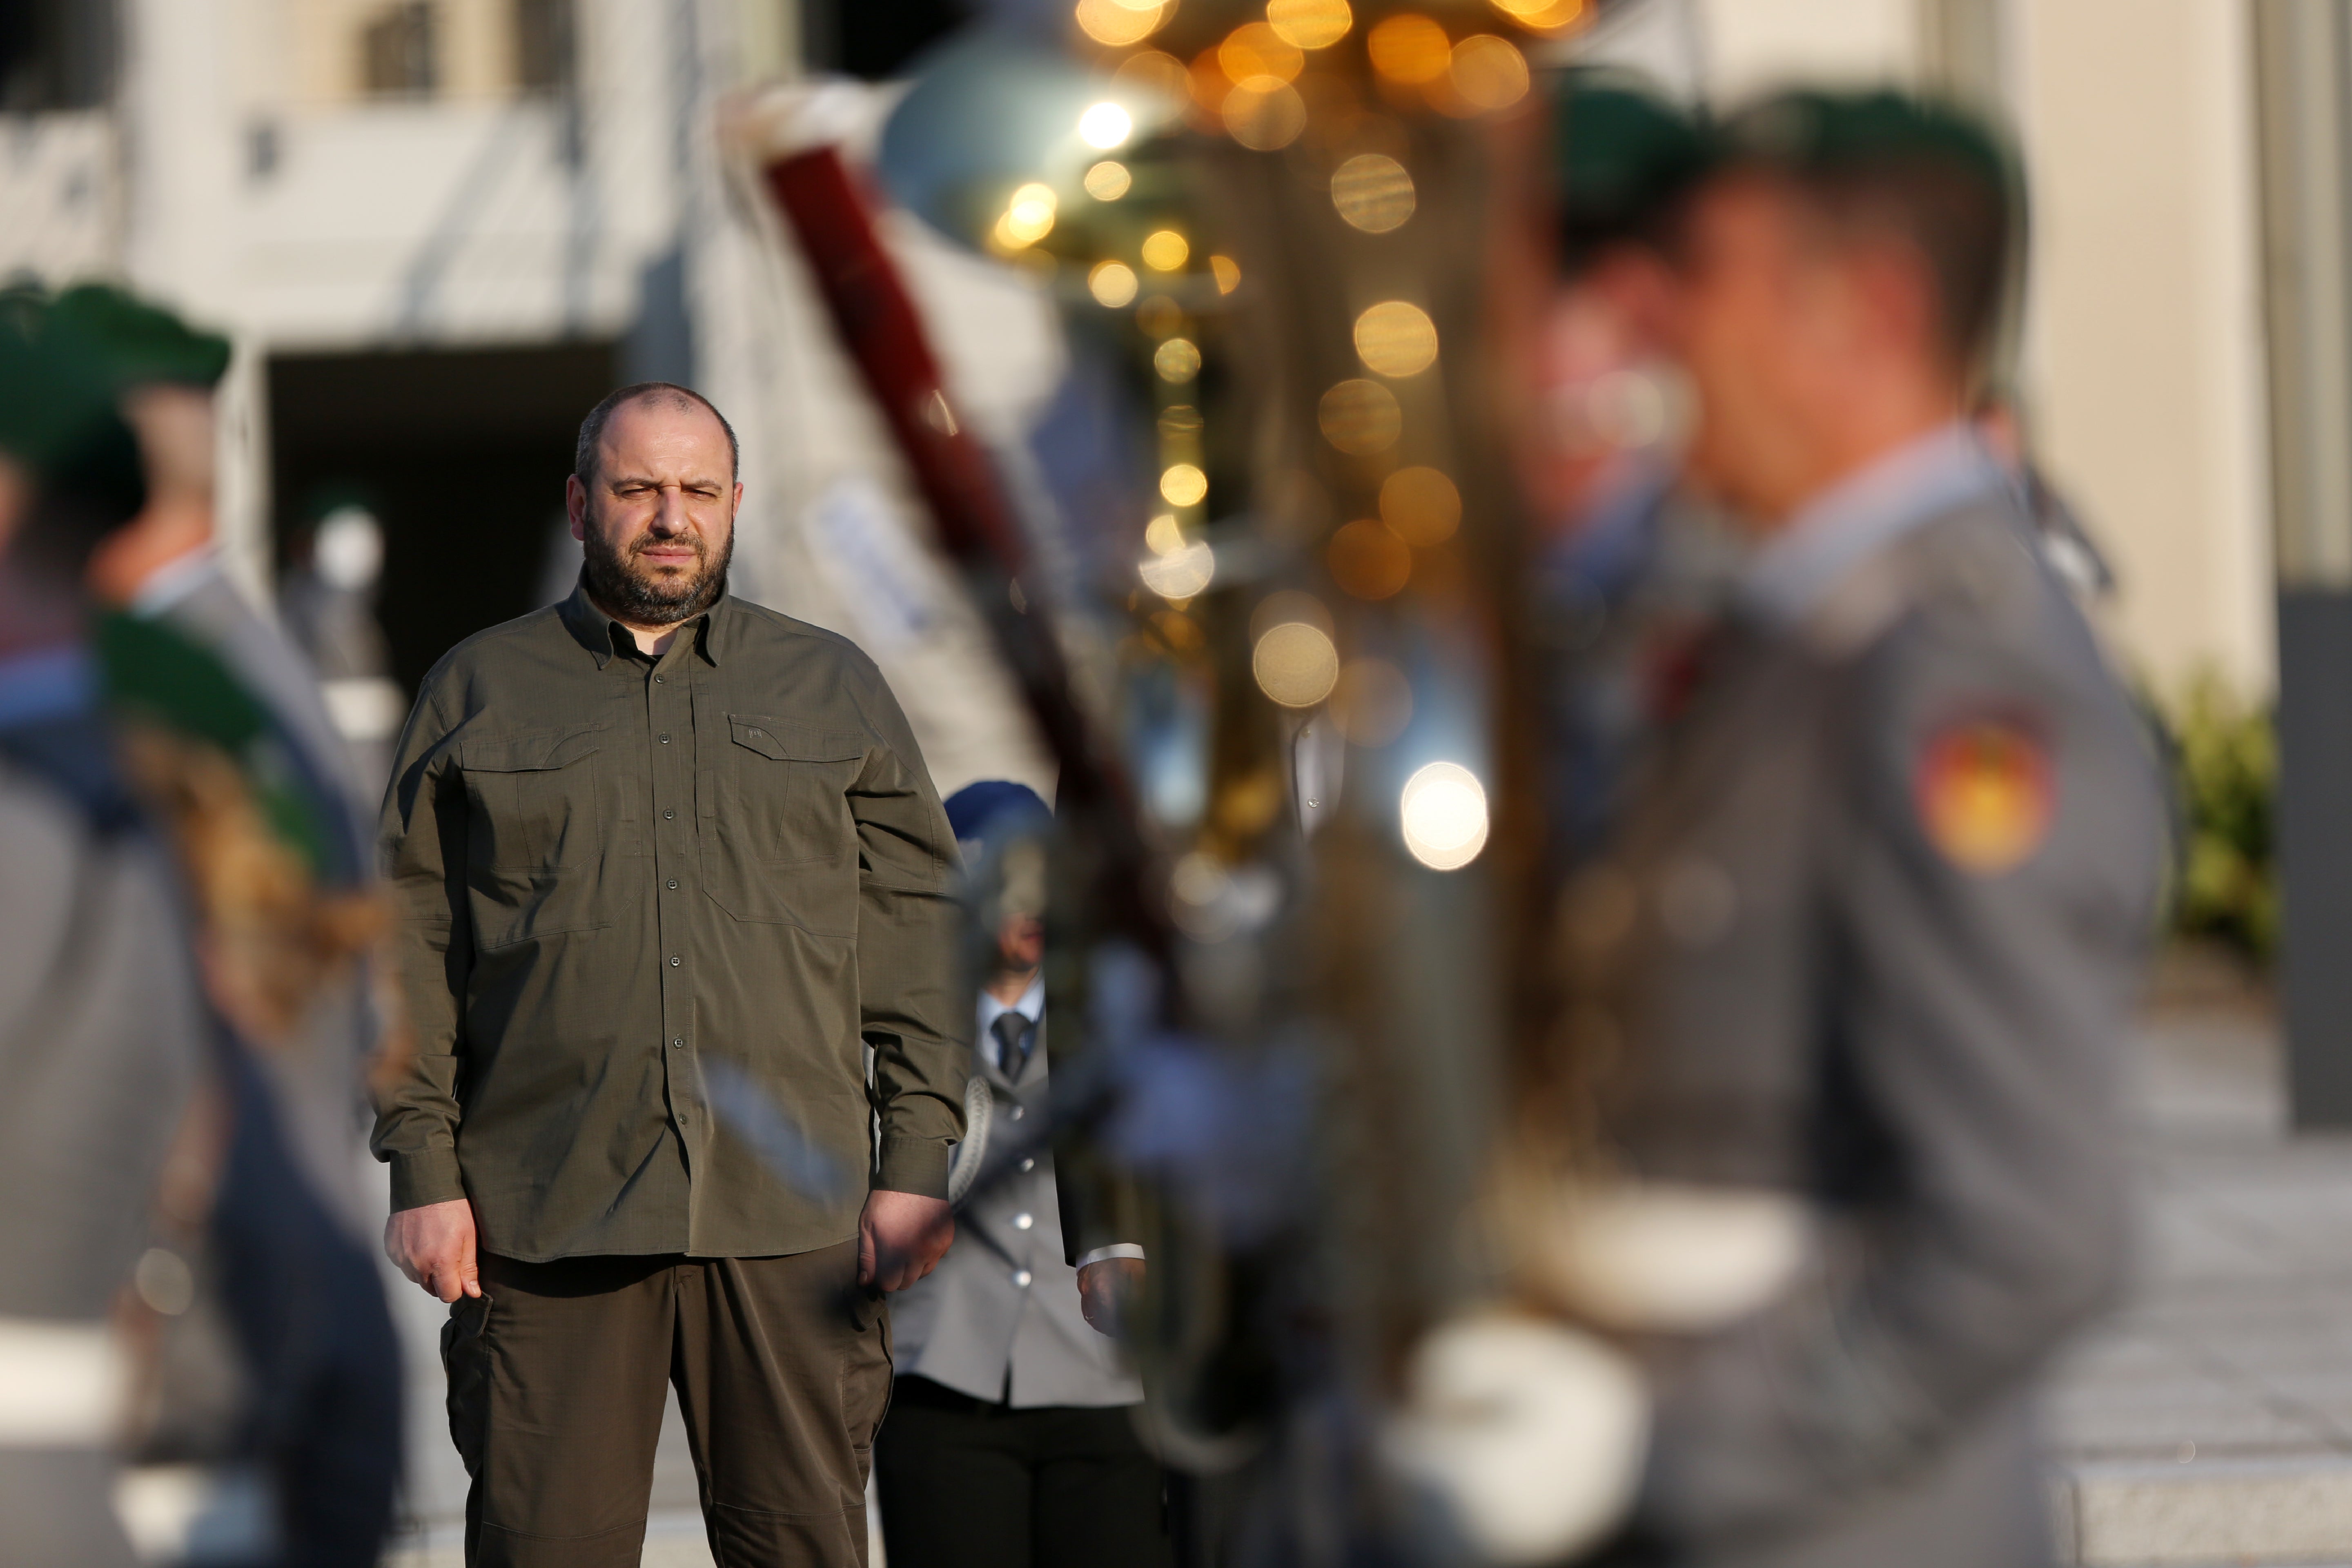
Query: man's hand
1104, 1288
434, 1246
901, 1237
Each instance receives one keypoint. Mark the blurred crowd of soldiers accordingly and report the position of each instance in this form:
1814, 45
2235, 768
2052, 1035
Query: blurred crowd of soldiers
1857, 839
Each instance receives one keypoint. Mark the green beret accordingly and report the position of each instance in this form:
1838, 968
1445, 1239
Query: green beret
58, 417
1815, 133
140, 343
1622, 154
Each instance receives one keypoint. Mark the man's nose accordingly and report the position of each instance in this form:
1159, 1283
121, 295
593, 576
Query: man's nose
670, 514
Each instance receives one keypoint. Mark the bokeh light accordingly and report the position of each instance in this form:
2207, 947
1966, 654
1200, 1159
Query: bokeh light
1028, 217
1181, 573
1157, 72
1227, 272
1422, 505
1489, 72
1372, 702
1113, 22
1442, 811
1183, 484
1310, 24
1359, 417
1159, 316
1368, 560
1177, 360
1161, 536
1112, 283
1105, 125
1410, 48
1543, 16
1373, 191
1295, 664
1165, 250
1108, 180
1252, 50
1264, 114
1395, 338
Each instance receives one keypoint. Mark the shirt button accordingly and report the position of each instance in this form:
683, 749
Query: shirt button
665, 739
1028, 1164
675, 961
679, 1041
1022, 1278
1023, 1221
657, 680
673, 882
1018, 1112
667, 815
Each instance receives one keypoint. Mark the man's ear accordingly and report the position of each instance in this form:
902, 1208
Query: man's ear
15, 496
576, 506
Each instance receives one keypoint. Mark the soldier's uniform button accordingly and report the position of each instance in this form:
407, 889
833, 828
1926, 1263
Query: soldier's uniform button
1021, 1278
1023, 1221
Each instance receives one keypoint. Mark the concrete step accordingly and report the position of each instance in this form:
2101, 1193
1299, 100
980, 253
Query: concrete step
2285, 1513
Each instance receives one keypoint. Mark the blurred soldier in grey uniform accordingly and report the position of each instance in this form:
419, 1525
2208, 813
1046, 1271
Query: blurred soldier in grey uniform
99, 1020
1009, 1442
1868, 940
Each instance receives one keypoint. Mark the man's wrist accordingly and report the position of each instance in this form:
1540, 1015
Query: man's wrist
916, 1166
423, 1176
1115, 1250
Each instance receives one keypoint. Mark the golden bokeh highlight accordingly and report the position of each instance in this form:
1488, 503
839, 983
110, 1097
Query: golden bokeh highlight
1227, 272
1183, 484
1264, 114
1359, 417
1295, 664
1543, 16
1179, 574
1159, 316
1028, 217
1488, 72
1177, 360
1421, 506
1409, 47
1105, 125
1117, 24
1443, 813
1157, 72
1373, 701
1368, 560
1373, 191
1165, 250
1255, 49
1112, 283
1108, 180
1310, 24
1395, 338
1161, 536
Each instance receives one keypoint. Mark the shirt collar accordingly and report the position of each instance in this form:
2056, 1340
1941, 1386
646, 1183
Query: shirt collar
1864, 512
603, 637
47, 684
1031, 1006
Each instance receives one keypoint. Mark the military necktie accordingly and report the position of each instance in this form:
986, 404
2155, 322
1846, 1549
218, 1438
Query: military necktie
1013, 1033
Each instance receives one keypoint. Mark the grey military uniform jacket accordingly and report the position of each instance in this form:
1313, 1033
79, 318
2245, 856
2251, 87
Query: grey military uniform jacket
1870, 939
999, 1318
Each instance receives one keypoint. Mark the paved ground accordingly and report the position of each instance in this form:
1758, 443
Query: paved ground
2211, 1423
2208, 1426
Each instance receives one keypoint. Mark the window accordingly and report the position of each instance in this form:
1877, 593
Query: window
543, 45
396, 59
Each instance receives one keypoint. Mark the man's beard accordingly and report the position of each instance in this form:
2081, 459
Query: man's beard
625, 589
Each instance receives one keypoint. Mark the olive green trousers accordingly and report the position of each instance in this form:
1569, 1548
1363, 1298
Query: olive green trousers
556, 1389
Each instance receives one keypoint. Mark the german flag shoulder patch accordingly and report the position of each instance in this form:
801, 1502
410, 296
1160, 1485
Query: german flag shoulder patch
1985, 794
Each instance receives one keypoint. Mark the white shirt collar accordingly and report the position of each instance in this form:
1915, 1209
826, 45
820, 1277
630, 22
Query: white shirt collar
1031, 1006
1864, 512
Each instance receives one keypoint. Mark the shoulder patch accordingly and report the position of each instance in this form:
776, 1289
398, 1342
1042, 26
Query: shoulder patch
1985, 794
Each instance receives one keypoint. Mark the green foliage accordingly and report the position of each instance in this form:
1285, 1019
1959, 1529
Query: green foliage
2225, 774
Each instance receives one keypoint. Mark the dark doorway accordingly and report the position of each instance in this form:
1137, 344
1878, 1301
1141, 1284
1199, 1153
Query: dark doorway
462, 458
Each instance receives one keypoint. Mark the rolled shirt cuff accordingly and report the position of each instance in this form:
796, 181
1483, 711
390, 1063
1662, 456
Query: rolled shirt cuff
916, 1166
423, 1176
1117, 1249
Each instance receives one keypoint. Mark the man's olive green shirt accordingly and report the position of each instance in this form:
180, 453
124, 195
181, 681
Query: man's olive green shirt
614, 873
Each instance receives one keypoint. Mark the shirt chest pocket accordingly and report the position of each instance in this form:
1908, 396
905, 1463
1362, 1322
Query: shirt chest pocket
779, 845
782, 795
533, 799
